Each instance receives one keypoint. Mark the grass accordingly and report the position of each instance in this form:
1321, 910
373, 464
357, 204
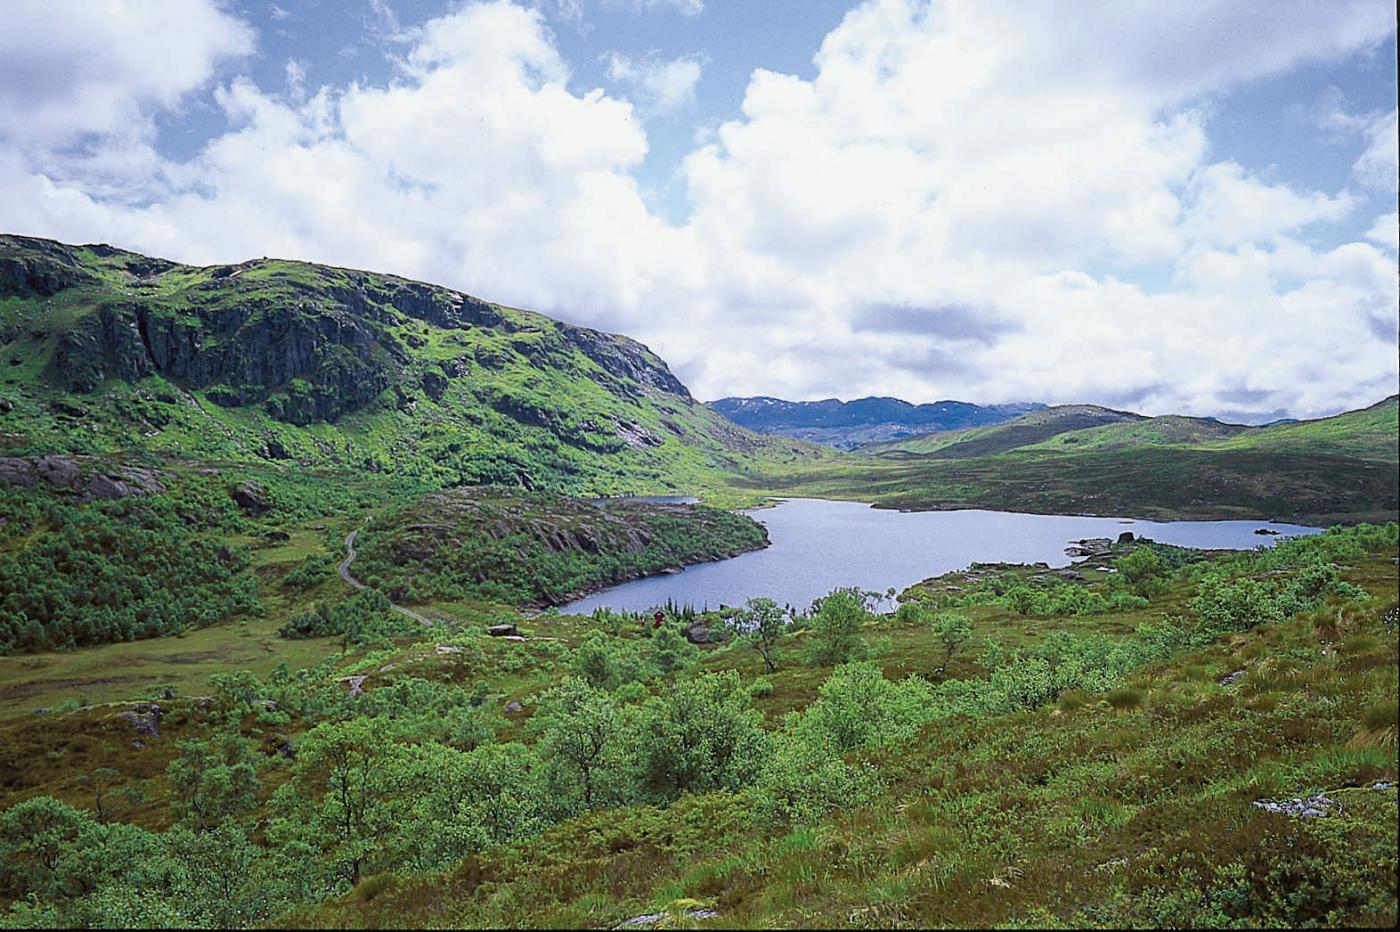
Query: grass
1120, 807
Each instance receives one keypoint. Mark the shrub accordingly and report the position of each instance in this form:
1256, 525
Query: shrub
1124, 698
836, 629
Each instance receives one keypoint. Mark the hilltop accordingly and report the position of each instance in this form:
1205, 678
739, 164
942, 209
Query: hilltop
1027, 429
1083, 459
293, 363
849, 424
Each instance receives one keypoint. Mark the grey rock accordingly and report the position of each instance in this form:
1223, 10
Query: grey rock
251, 497
651, 919
1229, 679
1314, 807
144, 718
501, 631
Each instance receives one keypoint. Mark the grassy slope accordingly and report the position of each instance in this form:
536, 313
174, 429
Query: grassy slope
1369, 434
1035, 427
538, 549
1167, 430
1336, 470
1063, 816
531, 401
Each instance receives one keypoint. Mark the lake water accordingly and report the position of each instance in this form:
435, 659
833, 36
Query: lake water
818, 545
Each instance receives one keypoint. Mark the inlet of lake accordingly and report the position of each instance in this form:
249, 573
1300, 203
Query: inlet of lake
818, 545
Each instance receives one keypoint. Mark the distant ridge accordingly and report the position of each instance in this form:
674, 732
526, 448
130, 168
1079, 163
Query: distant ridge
849, 424
1034, 427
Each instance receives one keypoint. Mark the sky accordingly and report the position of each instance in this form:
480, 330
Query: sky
1171, 208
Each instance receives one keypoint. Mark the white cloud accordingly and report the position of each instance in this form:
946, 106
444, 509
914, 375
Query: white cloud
102, 70
1386, 231
1377, 165
665, 85
990, 201
684, 7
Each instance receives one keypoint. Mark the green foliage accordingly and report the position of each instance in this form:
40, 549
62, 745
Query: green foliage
607, 662
119, 571
671, 652
1141, 569
834, 628
953, 631
581, 732
364, 618
538, 548
214, 780
760, 623
339, 798
697, 736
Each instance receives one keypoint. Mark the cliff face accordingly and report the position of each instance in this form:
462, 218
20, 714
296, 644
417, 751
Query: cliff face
103, 349
309, 343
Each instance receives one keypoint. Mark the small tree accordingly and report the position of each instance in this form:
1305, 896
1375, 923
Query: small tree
836, 628
355, 770
952, 631
580, 725
103, 783
214, 779
670, 651
760, 623
1141, 569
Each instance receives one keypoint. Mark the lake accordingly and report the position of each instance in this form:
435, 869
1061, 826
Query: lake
818, 545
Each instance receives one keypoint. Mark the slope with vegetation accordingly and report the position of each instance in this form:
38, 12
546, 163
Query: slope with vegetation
294, 363
1035, 427
527, 548
849, 424
978, 763
1339, 469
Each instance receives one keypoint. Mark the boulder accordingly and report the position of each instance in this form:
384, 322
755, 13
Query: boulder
698, 633
144, 718
252, 497
505, 630
1127, 537
514, 706
78, 476
435, 385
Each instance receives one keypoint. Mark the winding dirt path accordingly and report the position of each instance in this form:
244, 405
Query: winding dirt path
345, 575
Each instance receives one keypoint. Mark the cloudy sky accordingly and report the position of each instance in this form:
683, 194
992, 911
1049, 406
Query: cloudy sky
991, 200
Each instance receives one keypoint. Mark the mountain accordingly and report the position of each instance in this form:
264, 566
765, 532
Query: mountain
1037, 426
104, 350
849, 424
1082, 459
1367, 434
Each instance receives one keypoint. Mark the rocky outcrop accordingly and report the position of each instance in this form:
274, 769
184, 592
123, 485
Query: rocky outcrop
252, 497
144, 718
84, 477
626, 360
1313, 807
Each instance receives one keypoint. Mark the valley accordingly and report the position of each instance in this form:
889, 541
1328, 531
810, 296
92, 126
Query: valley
204, 723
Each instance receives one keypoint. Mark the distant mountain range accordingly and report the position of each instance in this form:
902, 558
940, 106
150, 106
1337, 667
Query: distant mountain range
850, 424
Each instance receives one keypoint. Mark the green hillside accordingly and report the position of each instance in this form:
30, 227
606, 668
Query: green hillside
1368, 434
291, 363
1167, 430
1190, 741
1035, 427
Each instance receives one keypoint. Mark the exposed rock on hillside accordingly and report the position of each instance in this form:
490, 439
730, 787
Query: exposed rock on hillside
86, 478
536, 548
